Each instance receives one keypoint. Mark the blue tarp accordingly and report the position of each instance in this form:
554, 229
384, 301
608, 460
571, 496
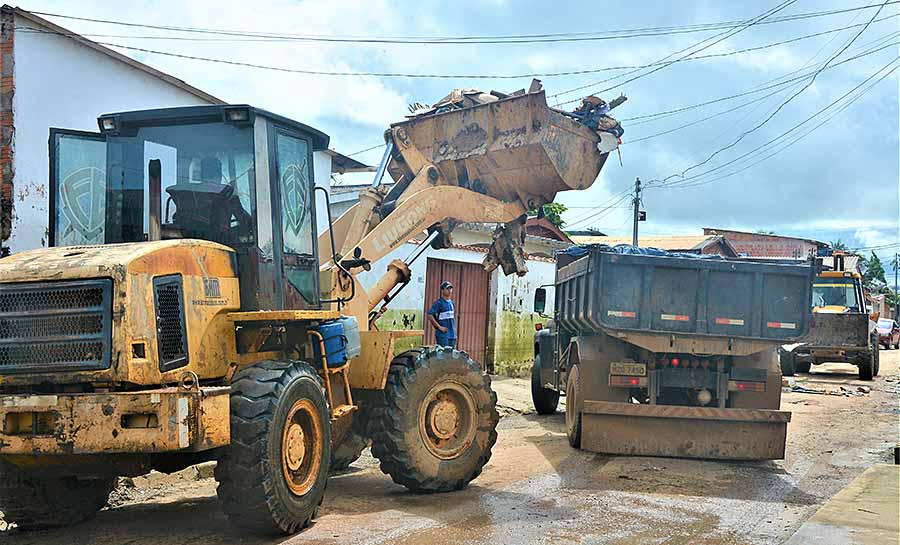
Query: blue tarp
584, 249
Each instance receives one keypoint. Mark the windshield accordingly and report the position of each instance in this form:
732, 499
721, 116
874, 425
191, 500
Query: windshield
840, 292
885, 324
206, 174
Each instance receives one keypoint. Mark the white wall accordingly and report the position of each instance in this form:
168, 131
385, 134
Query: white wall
61, 83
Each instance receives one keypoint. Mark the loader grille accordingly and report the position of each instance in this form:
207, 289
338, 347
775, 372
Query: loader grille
170, 327
55, 326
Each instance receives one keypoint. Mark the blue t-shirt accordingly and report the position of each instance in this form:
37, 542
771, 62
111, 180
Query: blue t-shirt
443, 312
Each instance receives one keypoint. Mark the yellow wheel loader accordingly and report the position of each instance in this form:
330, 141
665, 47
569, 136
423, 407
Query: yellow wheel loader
202, 319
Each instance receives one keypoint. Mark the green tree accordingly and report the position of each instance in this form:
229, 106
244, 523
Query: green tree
838, 245
553, 212
873, 277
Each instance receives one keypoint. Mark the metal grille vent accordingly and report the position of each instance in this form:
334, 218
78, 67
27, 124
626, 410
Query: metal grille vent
55, 326
170, 327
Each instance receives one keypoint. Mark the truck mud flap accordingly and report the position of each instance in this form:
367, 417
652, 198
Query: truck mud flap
684, 432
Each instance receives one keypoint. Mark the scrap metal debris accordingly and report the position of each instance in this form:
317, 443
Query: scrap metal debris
840, 391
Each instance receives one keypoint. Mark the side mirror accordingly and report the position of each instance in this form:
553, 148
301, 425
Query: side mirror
540, 300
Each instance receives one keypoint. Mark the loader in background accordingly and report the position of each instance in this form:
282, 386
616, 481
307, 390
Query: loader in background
214, 325
664, 354
841, 328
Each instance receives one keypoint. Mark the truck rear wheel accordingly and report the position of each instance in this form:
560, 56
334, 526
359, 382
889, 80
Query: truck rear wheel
438, 421
573, 407
34, 503
788, 362
272, 476
545, 400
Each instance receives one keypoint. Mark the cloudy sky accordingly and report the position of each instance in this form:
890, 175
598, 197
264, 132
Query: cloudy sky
839, 180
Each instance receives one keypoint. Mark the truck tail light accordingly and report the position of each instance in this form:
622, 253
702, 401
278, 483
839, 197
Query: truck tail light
675, 362
621, 381
746, 386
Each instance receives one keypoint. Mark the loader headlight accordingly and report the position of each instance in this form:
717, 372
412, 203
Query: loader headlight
236, 115
108, 124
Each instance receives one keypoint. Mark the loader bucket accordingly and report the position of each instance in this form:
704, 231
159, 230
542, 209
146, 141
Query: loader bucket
684, 432
838, 330
516, 148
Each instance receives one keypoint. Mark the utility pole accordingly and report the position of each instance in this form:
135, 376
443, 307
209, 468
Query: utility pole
896, 291
637, 211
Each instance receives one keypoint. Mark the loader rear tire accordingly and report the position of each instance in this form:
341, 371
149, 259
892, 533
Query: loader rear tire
545, 400
436, 426
34, 503
573, 407
272, 476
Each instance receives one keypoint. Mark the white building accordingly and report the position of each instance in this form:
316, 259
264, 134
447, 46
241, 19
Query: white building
51, 79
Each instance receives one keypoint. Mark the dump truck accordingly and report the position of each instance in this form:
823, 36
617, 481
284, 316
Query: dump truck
841, 328
213, 324
662, 354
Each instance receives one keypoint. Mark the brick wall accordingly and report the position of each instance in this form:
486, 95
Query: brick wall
7, 127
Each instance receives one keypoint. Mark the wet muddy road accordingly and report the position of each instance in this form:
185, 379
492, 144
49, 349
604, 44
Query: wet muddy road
537, 489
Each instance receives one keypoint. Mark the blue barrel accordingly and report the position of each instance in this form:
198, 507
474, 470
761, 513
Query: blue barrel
335, 344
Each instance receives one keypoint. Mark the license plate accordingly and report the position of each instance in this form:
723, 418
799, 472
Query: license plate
628, 368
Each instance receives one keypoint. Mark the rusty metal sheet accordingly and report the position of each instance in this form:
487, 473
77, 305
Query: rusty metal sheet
95, 423
471, 283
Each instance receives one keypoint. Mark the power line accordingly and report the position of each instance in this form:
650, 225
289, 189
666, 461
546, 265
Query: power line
458, 40
714, 55
752, 110
727, 35
745, 104
788, 100
694, 181
365, 150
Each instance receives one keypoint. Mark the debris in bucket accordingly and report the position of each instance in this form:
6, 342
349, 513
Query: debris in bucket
593, 112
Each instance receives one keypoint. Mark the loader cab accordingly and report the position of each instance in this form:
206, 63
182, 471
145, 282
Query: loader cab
230, 174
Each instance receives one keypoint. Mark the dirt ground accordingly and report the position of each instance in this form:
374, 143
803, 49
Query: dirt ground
536, 489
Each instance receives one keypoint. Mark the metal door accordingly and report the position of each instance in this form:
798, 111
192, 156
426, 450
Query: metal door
470, 298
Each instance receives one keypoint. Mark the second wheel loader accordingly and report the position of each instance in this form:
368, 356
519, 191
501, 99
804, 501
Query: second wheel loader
200, 318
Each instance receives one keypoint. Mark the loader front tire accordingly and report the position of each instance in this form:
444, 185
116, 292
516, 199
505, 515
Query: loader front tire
437, 424
272, 476
34, 503
545, 400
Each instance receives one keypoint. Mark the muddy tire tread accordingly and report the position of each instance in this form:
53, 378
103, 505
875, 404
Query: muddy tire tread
388, 444
246, 482
34, 504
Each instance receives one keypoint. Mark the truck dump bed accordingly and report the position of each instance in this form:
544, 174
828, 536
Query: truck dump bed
663, 294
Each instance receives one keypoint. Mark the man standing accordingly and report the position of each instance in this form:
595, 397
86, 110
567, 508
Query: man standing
442, 317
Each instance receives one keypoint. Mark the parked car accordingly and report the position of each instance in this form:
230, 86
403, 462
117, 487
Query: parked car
888, 333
